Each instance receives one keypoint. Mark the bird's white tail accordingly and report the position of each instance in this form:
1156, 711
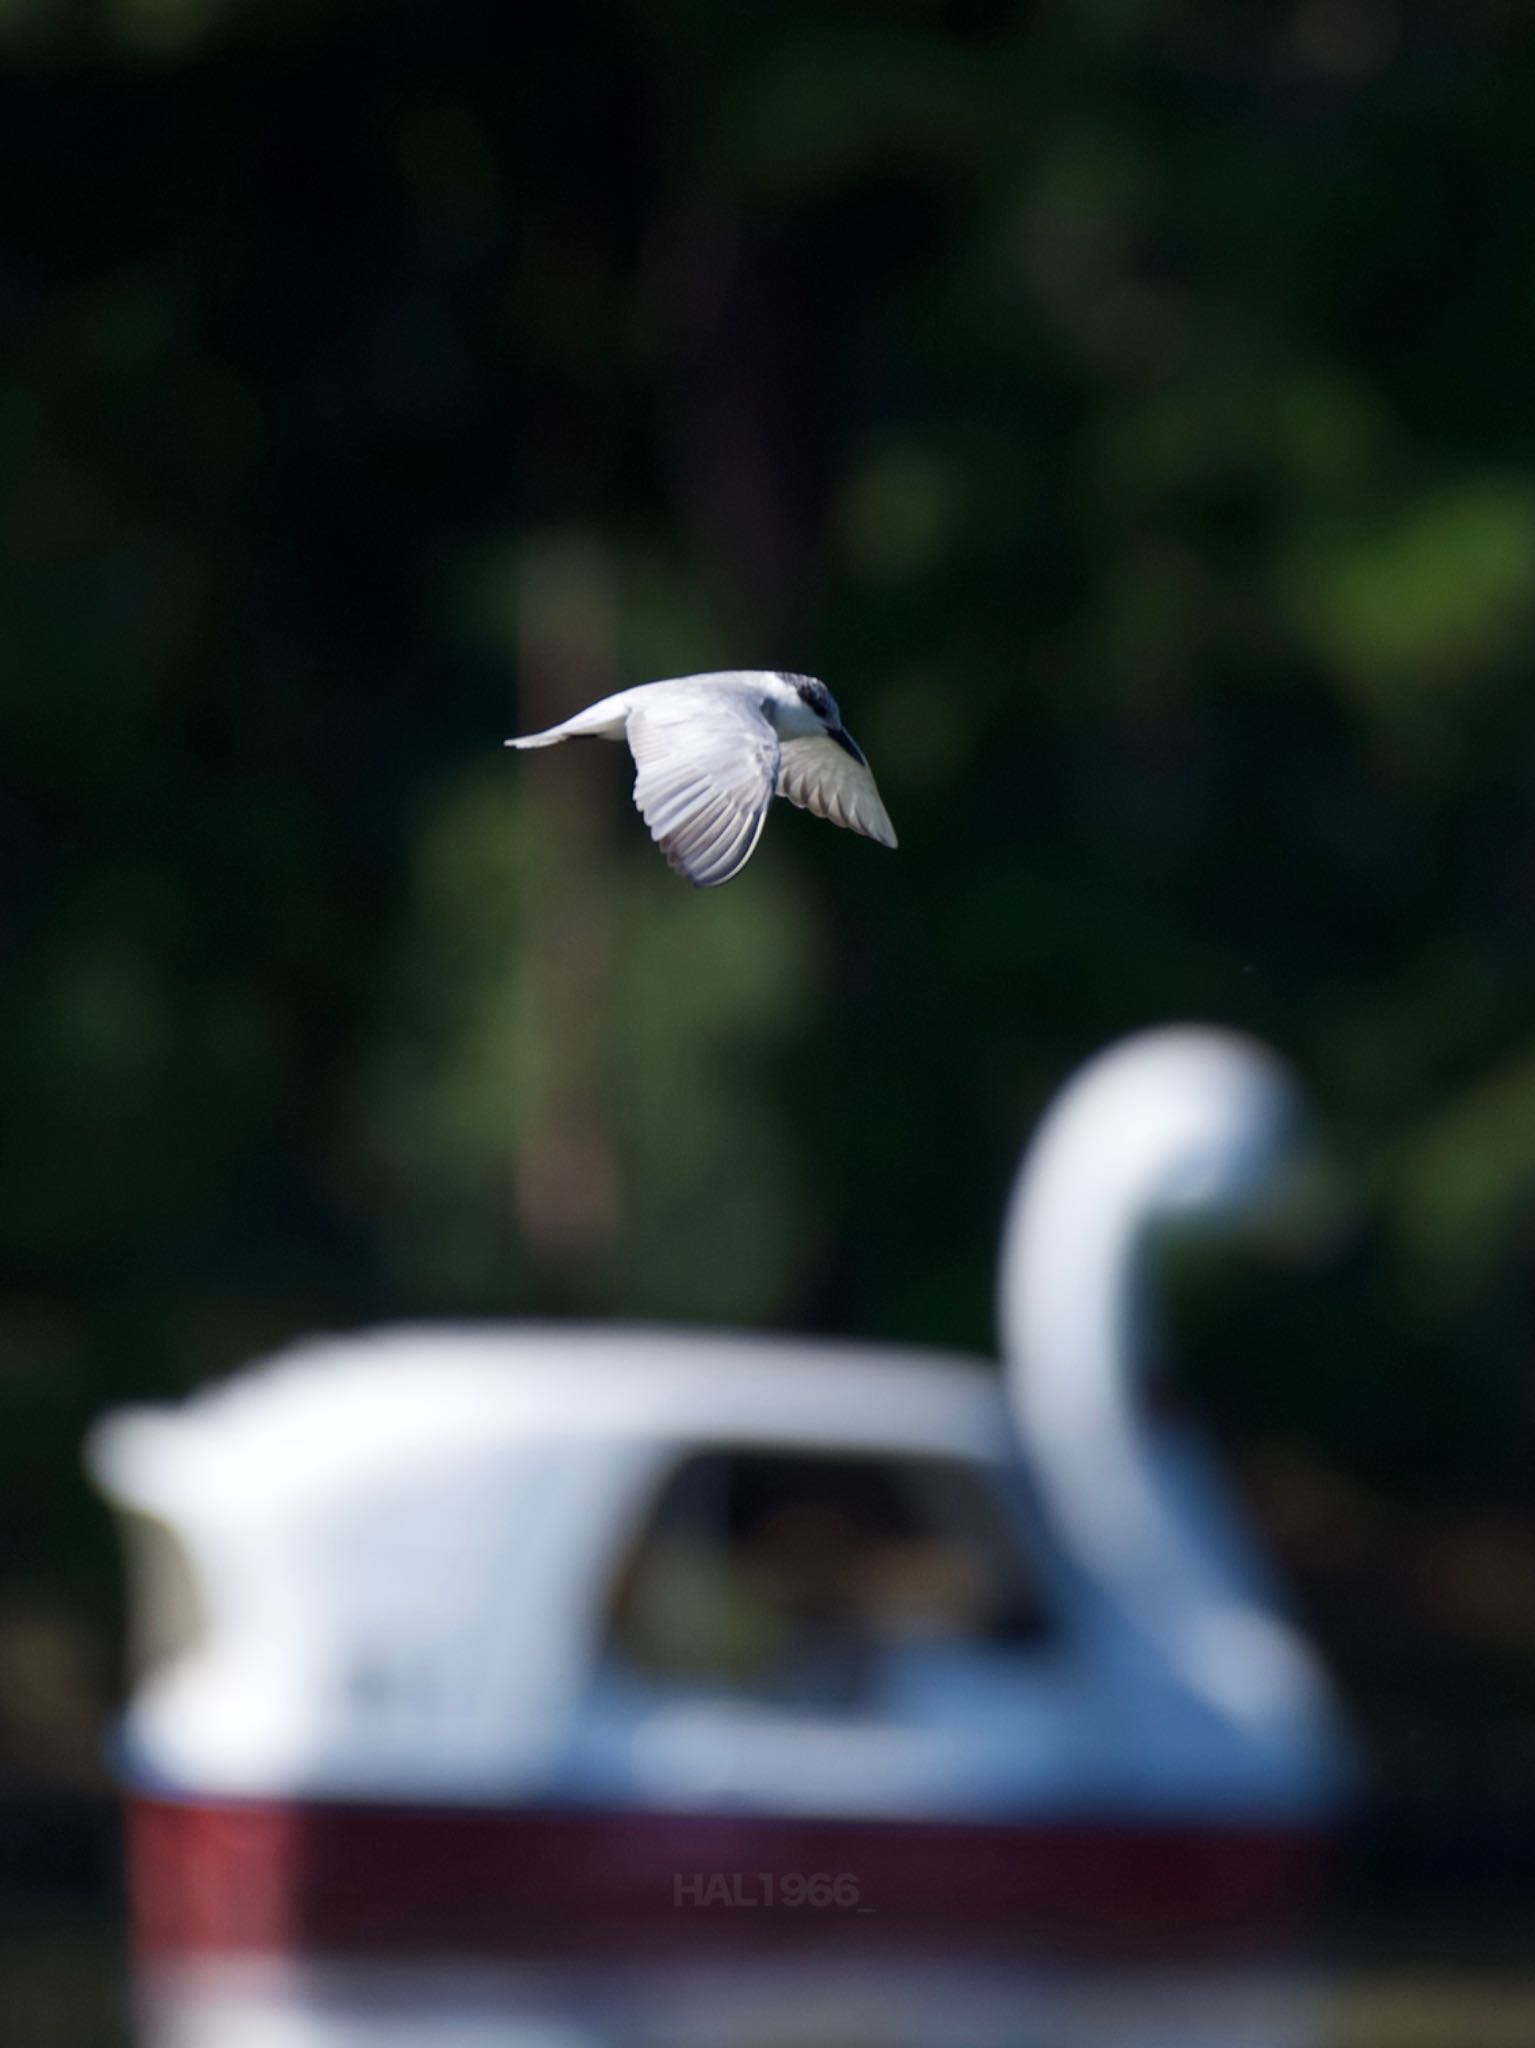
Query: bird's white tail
551, 738
603, 721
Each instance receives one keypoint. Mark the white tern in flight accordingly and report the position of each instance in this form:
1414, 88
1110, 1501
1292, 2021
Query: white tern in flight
711, 752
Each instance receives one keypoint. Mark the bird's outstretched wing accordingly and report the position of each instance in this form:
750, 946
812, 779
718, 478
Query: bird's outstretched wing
706, 766
820, 776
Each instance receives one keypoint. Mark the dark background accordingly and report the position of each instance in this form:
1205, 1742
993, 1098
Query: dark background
1127, 407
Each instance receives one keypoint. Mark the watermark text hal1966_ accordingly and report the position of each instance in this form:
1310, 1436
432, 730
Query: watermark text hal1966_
797, 1889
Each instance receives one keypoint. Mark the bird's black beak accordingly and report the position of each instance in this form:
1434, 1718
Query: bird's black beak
847, 743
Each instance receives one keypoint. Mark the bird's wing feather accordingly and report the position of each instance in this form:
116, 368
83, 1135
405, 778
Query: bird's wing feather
706, 762
820, 776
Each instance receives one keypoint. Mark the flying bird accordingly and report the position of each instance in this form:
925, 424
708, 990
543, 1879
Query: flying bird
711, 752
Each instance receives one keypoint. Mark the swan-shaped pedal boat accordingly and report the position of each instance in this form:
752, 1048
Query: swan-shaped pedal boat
489, 1634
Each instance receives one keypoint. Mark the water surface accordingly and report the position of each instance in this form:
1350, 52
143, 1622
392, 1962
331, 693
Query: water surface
70, 1983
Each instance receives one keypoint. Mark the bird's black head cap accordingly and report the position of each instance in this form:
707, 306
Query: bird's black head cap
813, 695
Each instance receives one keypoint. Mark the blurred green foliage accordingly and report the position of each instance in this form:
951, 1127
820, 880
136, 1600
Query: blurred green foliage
1126, 407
